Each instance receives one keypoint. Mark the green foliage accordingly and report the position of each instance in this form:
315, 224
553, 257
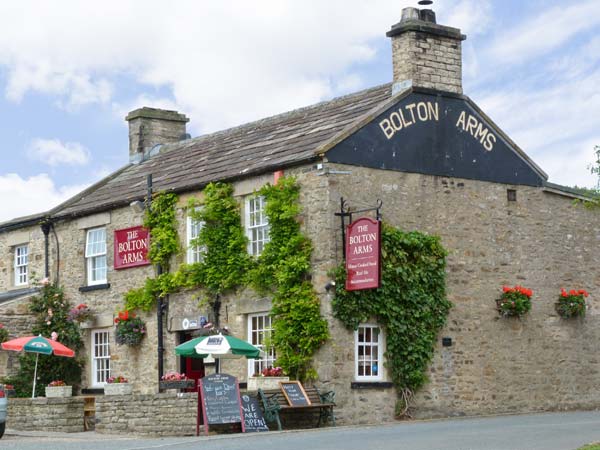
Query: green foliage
130, 330
3, 334
160, 219
411, 303
515, 301
283, 268
51, 311
225, 259
571, 303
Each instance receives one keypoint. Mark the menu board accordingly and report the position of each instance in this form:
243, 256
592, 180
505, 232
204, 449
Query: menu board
294, 393
253, 416
220, 400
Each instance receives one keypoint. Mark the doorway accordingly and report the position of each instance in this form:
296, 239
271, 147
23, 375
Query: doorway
192, 367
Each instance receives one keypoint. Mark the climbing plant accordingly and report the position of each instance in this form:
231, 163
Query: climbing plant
225, 259
160, 219
51, 311
410, 304
284, 269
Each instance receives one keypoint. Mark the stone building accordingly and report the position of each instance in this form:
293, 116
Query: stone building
437, 163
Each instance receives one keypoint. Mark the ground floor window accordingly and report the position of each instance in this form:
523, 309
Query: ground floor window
259, 331
368, 348
100, 357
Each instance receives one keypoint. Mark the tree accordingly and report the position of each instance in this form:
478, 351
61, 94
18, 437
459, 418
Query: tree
51, 311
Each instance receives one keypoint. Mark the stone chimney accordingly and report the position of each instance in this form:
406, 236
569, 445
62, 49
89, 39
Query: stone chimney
426, 54
151, 126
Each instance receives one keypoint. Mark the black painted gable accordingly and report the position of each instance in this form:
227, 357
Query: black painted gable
437, 134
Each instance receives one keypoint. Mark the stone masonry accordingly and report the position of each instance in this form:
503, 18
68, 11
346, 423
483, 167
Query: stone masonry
428, 54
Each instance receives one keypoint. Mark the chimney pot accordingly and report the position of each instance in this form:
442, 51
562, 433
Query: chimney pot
409, 13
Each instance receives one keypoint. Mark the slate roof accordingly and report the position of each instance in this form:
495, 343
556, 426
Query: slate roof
257, 147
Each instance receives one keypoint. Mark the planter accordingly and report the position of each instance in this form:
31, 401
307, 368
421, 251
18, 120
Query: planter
118, 389
59, 391
265, 383
178, 384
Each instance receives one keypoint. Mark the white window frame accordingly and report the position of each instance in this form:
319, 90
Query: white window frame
380, 343
256, 337
195, 254
100, 357
21, 265
95, 254
256, 224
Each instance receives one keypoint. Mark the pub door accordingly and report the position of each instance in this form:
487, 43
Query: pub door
192, 367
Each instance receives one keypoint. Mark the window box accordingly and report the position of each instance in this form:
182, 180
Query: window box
59, 391
118, 389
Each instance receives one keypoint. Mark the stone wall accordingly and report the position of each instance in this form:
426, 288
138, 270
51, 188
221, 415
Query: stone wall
46, 414
542, 241
495, 365
162, 414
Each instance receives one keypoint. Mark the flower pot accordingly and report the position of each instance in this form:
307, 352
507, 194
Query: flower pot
118, 389
265, 383
59, 391
177, 384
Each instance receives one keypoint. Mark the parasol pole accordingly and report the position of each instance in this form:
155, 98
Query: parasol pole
37, 355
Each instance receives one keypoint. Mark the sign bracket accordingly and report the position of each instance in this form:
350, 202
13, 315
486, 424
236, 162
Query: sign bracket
346, 211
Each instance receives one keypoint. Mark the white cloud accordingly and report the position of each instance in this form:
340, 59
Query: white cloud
545, 32
54, 152
24, 196
224, 62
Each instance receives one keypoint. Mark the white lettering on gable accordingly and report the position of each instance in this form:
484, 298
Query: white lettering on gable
475, 128
405, 116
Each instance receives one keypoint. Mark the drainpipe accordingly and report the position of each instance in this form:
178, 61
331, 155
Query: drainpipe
159, 301
46, 225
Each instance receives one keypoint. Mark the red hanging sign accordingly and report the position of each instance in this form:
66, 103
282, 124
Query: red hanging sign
131, 247
363, 254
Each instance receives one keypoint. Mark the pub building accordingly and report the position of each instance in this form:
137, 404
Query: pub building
417, 148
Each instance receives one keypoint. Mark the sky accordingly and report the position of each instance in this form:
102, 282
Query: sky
70, 72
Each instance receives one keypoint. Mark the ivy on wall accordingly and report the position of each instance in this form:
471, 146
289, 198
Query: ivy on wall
225, 258
160, 218
411, 305
284, 269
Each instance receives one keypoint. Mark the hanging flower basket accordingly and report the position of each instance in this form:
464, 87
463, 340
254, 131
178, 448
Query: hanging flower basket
514, 301
130, 330
571, 303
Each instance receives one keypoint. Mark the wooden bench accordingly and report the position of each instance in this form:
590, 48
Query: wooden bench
274, 402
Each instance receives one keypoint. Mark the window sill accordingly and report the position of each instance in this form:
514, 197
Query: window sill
94, 287
371, 385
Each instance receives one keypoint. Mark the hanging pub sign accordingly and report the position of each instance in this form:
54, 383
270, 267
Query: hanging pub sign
363, 254
131, 247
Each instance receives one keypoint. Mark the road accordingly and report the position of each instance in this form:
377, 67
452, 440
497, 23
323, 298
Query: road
551, 431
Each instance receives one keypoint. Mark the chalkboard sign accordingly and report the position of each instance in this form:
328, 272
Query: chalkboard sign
253, 416
220, 400
294, 393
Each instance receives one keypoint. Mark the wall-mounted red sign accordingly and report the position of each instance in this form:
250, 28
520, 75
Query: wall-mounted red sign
363, 254
131, 247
